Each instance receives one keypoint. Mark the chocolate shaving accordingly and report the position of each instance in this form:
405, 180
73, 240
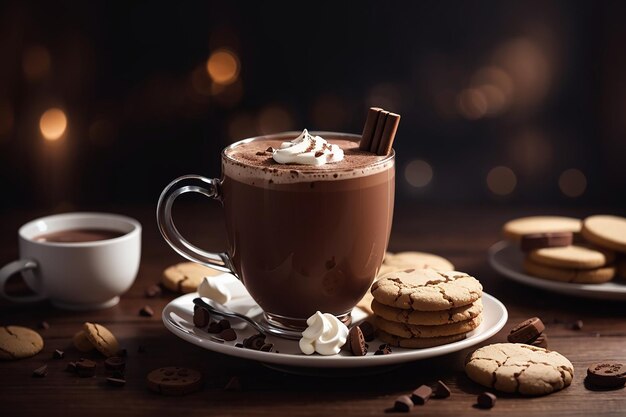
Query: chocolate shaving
270, 150
318, 154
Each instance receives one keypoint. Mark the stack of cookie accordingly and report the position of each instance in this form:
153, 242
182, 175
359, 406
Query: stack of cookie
570, 250
421, 308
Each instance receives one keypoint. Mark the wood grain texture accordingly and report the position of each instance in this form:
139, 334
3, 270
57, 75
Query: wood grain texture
462, 235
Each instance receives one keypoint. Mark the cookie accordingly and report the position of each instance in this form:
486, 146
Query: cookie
519, 368
606, 231
185, 277
428, 318
573, 256
412, 330
174, 381
515, 229
417, 260
101, 338
607, 374
580, 276
545, 240
426, 289
18, 342
418, 342
81, 342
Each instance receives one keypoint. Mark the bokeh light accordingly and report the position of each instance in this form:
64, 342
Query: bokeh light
572, 182
418, 173
6, 117
53, 124
501, 180
496, 76
201, 82
274, 119
223, 66
36, 62
472, 103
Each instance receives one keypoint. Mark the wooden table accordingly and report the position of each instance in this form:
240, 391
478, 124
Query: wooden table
461, 234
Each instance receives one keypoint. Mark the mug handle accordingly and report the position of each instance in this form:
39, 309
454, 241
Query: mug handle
190, 184
7, 271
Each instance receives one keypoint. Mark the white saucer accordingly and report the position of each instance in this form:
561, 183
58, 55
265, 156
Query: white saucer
507, 259
178, 318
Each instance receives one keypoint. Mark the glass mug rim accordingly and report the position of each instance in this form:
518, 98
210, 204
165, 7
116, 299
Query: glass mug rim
352, 137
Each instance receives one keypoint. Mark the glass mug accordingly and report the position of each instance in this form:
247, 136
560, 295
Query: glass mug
299, 242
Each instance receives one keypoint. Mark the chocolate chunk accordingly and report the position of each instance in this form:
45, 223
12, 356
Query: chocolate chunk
545, 240
368, 330
421, 395
233, 384
228, 334
238, 345
254, 342
357, 342
384, 349
224, 324
146, 311
607, 374
267, 347
58, 354
41, 371
318, 154
116, 382
122, 353
153, 291
403, 404
577, 325
541, 341
441, 390
201, 317
526, 331
71, 367
486, 400
85, 368
214, 328
115, 363
270, 150
44, 325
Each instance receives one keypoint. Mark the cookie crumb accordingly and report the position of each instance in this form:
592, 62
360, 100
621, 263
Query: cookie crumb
486, 400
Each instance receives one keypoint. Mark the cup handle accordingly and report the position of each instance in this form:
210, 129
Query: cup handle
21, 265
190, 184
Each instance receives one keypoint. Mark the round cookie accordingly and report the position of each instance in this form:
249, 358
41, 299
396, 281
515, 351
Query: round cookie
418, 260
580, 276
81, 342
18, 342
185, 277
515, 229
573, 256
415, 331
519, 368
428, 318
174, 380
101, 338
426, 289
418, 342
606, 231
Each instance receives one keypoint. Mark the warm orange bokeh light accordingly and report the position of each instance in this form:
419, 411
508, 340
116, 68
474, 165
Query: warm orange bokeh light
53, 124
573, 182
223, 66
418, 173
501, 180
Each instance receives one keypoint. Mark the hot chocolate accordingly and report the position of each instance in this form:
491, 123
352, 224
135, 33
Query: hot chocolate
306, 237
78, 235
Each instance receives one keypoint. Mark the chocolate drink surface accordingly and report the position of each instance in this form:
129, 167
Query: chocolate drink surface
78, 235
305, 238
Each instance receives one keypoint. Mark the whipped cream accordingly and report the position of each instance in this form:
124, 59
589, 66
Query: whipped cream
221, 288
325, 335
307, 149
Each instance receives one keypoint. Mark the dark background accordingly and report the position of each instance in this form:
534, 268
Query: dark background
502, 102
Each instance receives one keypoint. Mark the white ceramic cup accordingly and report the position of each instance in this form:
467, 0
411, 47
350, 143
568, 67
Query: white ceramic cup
77, 275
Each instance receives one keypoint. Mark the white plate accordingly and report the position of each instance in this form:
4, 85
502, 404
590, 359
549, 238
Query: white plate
507, 259
178, 318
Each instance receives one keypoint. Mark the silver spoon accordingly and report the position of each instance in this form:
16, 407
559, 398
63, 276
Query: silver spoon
223, 311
